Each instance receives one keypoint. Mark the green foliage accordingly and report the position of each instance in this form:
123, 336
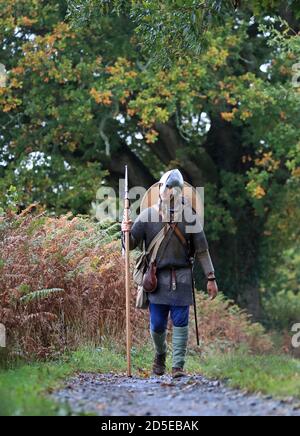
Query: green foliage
24, 389
224, 326
280, 258
10, 201
40, 295
61, 284
24, 288
81, 101
282, 310
158, 24
281, 35
272, 375
218, 219
50, 148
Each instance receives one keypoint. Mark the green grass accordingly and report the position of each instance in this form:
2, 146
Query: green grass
24, 389
278, 376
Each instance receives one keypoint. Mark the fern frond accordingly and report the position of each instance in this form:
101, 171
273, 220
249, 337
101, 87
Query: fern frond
40, 295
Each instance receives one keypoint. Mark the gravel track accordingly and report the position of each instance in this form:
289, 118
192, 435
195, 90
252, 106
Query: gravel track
116, 395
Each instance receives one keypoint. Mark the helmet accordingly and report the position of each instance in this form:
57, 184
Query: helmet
172, 179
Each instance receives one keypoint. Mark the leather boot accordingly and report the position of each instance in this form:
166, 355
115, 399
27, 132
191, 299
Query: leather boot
178, 372
160, 346
159, 365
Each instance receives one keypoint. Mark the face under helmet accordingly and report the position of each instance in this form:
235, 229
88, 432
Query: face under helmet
172, 179
171, 202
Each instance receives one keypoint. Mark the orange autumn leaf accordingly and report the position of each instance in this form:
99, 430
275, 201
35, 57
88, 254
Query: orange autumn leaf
283, 116
131, 112
26, 21
151, 136
227, 116
296, 172
18, 70
101, 97
246, 114
259, 192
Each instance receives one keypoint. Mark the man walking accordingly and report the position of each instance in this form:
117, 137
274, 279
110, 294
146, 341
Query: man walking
184, 240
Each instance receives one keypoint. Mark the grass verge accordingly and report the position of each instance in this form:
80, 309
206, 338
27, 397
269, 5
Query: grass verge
24, 389
278, 376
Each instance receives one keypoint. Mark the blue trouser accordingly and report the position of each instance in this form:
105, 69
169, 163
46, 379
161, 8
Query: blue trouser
159, 314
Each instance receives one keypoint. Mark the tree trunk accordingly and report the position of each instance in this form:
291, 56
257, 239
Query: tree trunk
197, 166
235, 255
251, 301
139, 174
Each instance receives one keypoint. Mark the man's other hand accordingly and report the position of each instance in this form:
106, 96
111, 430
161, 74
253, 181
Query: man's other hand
212, 289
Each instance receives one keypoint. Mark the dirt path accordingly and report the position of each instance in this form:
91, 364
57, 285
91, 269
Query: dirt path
113, 395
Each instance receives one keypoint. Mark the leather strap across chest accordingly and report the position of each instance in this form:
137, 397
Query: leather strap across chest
179, 234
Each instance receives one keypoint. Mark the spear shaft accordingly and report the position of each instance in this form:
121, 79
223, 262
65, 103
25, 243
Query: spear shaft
127, 276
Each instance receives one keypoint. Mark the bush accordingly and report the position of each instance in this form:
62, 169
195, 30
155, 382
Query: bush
62, 285
282, 310
223, 326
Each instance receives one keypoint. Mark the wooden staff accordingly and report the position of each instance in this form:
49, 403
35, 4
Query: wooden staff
127, 275
195, 310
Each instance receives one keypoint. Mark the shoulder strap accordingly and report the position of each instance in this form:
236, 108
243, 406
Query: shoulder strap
185, 243
170, 232
157, 239
167, 230
156, 243
179, 235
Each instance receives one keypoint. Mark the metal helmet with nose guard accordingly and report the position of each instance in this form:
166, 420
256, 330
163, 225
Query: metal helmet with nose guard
171, 180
